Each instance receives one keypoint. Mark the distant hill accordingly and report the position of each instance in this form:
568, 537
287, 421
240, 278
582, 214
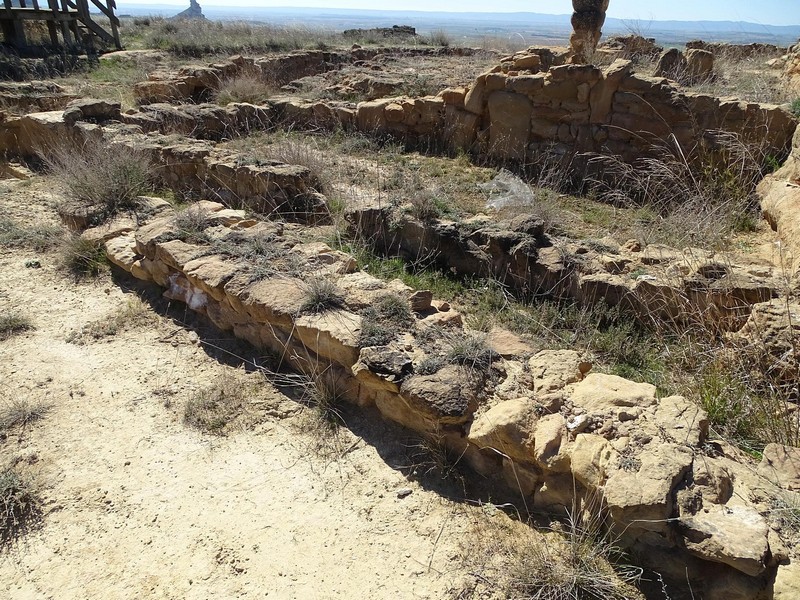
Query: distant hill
532, 27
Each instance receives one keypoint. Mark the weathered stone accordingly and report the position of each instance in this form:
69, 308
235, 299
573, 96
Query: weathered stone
590, 458
781, 466
507, 344
699, 65
732, 535
683, 421
552, 370
599, 392
550, 440
508, 428
787, 582
510, 116
671, 64
444, 398
420, 300
643, 499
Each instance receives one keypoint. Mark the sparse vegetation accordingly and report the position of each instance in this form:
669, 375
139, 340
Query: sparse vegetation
384, 319
196, 38
20, 506
36, 237
224, 406
133, 314
577, 560
247, 87
322, 295
101, 177
82, 257
20, 412
694, 201
469, 349
13, 322
191, 223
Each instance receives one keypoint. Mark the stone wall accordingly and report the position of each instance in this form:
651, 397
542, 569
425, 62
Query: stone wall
658, 284
542, 424
515, 112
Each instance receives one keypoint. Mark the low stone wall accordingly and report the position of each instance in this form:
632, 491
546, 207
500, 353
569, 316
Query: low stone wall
657, 283
197, 83
738, 51
543, 423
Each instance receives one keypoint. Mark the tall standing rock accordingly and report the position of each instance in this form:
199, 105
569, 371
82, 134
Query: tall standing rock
587, 21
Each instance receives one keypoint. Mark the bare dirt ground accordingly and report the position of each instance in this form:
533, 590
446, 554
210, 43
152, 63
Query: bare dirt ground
136, 504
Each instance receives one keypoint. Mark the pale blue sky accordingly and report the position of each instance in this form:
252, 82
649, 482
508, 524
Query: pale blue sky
773, 12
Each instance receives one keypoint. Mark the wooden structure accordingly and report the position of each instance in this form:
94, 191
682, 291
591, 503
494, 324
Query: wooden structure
69, 19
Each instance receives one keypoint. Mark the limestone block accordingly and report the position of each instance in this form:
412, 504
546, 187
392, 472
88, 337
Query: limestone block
552, 370
683, 421
643, 498
602, 94
550, 441
475, 100
699, 65
787, 582
590, 457
599, 392
731, 535
332, 335
508, 428
781, 466
443, 398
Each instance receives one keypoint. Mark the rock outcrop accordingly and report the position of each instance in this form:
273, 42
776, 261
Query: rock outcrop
194, 12
587, 22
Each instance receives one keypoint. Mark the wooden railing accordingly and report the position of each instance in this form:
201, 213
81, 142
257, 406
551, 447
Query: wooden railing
70, 16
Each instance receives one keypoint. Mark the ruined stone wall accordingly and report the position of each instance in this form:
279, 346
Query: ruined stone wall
520, 109
554, 432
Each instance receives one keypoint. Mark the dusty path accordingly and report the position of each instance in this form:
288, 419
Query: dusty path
137, 505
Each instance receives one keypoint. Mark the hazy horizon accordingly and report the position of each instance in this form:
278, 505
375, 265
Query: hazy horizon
765, 12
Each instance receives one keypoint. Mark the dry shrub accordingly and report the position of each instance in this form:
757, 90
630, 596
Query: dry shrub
247, 87
102, 176
13, 322
133, 315
576, 560
693, 199
20, 506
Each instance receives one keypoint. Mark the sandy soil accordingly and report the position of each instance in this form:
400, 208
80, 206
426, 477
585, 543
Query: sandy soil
138, 505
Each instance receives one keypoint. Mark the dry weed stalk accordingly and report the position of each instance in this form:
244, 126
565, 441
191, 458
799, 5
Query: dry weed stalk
694, 199
577, 559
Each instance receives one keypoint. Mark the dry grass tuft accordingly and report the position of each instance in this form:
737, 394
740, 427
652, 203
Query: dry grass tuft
83, 258
248, 87
20, 506
225, 406
104, 177
322, 295
696, 199
13, 322
21, 412
133, 315
573, 561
